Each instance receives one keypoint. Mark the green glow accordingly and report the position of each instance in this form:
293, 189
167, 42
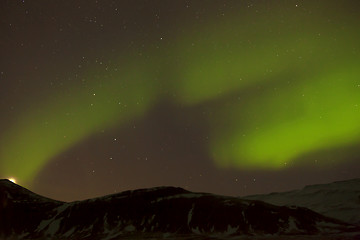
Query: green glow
276, 96
61, 121
231, 55
277, 91
282, 125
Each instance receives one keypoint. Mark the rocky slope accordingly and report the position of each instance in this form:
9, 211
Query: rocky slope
340, 200
165, 211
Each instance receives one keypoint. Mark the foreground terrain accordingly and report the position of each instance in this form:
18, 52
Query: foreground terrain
164, 212
340, 200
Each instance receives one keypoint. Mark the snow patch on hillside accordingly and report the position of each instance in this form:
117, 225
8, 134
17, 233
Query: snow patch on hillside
340, 200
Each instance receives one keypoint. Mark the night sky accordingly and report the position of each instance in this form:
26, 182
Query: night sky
228, 97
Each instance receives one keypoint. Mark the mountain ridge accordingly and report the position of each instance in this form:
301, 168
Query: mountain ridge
162, 211
340, 199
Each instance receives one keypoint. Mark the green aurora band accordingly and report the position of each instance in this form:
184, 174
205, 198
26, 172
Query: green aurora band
275, 92
61, 121
277, 96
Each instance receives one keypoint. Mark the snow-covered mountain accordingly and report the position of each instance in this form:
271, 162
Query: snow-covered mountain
164, 212
340, 200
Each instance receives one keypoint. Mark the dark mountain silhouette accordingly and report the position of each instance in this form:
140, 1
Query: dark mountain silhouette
157, 212
340, 200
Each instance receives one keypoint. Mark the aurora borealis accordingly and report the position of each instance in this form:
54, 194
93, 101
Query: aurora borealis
230, 97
